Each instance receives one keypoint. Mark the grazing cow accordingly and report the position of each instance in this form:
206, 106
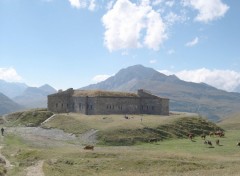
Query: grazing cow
219, 133
153, 140
203, 136
88, 147
208, 142
217, 142
190, 136
238, 144
211, 134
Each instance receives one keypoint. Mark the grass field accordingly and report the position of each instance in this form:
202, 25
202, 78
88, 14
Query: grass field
170, 157
174, 156
232, 122
116, 130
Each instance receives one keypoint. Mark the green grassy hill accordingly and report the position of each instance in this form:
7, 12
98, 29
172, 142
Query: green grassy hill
116, 130
29, 118
232, 122
174, 155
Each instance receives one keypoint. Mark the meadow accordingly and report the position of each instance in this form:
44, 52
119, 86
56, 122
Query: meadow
174, 155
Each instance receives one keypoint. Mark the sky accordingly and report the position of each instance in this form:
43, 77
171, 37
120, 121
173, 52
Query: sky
74, 43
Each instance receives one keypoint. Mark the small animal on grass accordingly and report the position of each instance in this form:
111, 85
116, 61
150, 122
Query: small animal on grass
238, 144
88, 147
153, 140
190, 136
219, 133
208, 142
217, 142
211, 134
203, 136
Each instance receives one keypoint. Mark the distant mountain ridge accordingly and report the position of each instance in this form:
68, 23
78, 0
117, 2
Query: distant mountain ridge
19, 96
7, 105
184, 96
12, 89
35, 97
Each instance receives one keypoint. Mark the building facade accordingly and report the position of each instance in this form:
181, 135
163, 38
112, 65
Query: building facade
92, 102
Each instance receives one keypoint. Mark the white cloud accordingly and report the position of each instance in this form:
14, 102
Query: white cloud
109, 5
157, 2
170, 3
81, 4
227, 80
171, 18
10, 75
130, 25
166, 72
192, 43
208, 9
156, 31
153, 61
75, 3
99, 78
92, 5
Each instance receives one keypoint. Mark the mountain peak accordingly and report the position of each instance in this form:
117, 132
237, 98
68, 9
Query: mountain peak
127, 78
184, 96
47, 88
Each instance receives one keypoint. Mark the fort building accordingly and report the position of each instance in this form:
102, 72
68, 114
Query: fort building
92, 102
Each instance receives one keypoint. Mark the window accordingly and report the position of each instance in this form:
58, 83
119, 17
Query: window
56, 105
152, 107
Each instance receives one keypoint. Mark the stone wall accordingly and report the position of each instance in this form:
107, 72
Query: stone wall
116, 105
61, 102
144, 103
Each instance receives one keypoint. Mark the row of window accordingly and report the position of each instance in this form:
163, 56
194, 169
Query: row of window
112, 107
73, 106
147, 107
81, 106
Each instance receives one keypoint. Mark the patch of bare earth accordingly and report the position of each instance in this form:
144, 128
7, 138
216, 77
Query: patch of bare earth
35, 170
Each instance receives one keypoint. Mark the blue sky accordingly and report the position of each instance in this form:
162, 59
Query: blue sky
74, 43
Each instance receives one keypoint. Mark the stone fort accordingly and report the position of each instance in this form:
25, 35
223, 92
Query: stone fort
92, 102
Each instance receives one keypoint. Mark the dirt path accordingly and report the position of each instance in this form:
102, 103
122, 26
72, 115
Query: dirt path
53, 137
38, 136
35, 170
8, 164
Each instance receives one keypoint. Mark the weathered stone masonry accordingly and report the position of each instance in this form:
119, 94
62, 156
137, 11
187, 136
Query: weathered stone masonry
92, 102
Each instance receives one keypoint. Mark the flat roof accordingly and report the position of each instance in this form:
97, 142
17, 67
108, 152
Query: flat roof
100, 93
